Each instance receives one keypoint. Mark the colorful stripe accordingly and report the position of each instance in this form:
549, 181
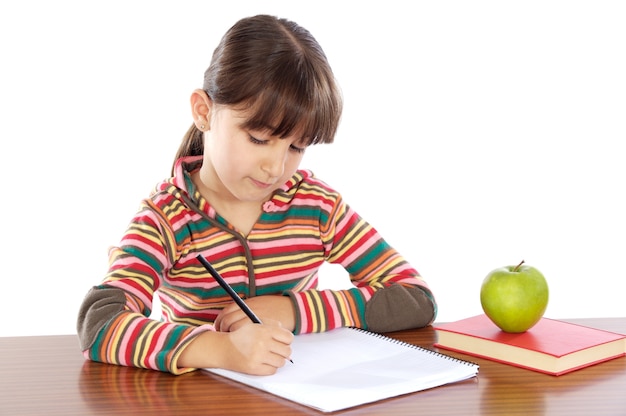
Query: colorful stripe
304, 225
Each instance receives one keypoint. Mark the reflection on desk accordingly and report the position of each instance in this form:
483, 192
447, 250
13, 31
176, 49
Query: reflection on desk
48, 375
111, 389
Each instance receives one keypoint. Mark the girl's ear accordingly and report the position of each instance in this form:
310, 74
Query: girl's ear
201, 106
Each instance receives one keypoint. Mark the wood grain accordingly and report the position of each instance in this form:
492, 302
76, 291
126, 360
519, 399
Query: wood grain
48, 376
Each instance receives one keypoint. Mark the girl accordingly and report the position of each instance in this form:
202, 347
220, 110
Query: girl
238, 197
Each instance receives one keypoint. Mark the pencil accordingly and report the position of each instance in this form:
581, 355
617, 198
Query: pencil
230, 291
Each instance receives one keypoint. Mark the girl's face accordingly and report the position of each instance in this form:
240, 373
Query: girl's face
244, 165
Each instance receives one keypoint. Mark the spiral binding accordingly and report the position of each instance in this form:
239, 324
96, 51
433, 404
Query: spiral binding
417, 347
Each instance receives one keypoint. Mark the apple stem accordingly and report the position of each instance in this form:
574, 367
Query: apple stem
518, 266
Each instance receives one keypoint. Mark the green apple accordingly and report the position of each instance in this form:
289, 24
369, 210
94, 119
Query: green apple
514, 297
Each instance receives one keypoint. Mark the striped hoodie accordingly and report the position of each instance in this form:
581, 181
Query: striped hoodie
304, 224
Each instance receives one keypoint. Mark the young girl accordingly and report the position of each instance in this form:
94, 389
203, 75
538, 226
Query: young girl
238, 198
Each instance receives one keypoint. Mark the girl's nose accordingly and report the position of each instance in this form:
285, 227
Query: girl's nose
274, 162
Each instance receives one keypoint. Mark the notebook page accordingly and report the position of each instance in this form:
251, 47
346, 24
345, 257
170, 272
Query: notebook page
345, 367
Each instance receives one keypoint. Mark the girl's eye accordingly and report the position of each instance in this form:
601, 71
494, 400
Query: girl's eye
254, 140
297, 149
293, 147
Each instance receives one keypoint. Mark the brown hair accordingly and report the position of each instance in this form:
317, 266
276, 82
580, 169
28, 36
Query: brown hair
274, 69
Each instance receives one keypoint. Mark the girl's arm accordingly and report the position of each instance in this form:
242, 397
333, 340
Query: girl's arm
113, 327
252, 349
389, 293
114, 324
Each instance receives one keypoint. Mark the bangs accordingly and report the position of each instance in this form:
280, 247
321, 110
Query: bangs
310, 112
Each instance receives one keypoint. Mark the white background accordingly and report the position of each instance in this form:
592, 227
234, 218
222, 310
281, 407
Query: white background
475, 134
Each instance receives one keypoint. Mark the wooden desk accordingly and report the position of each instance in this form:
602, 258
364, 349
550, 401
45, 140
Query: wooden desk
48, 376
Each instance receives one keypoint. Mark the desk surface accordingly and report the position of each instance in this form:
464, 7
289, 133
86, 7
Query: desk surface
48, 375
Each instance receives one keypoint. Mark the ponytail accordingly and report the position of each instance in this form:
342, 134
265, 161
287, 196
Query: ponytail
191, 145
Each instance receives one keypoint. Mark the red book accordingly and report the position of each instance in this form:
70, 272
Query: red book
551, 346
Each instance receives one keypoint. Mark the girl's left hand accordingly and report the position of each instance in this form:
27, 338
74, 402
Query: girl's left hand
271, 307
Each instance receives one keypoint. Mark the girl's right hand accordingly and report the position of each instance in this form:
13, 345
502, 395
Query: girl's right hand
258, 349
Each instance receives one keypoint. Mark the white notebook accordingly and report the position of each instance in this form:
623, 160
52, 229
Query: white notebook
348, 367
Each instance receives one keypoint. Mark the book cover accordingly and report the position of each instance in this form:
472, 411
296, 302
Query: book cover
551, 346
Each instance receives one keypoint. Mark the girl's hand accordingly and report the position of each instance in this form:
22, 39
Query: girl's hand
267, 308
258, 349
